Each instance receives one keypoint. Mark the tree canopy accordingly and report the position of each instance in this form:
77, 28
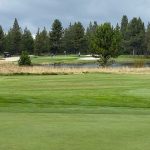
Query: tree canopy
56, 36
106, 43
75, 38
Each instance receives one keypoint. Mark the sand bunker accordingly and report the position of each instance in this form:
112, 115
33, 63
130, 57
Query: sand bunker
89, 58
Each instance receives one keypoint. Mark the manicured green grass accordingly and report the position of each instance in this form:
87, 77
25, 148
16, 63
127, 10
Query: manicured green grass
57, 59
75, 90
75, 112
23, 131
74, 59
132, 59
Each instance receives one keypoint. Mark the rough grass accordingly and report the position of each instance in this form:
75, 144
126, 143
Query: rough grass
10, 69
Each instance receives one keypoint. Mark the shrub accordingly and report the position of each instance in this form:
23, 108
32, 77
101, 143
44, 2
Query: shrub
24, 59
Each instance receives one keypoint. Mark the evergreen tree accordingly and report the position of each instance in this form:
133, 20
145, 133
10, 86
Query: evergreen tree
74, 38
25, 59
2, 38
41, 42
124, 26
136, 37
67, 40
37, 44
9, 42
90, 33
117, 40
16, 38
106, 43
44, 41
56, 36
147, 40
79, 37
27, 43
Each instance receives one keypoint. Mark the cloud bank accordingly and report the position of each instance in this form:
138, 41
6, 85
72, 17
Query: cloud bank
37, 13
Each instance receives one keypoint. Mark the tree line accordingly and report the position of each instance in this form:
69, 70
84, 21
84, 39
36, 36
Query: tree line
133, 37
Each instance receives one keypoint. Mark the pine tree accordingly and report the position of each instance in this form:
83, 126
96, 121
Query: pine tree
74, 38
136, 37
2, 38
27, 42
37, 44
41, 42
147, 40
9, 42
124, 27
16, 38
117, 41
67, 40
56, 36
79, 37
25, 59
91, 29
44, 41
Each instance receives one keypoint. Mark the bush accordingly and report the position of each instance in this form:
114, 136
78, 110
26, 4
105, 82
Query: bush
24, 59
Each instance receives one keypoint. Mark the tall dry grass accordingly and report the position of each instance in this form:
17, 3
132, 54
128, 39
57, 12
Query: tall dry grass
11, 69
139, 63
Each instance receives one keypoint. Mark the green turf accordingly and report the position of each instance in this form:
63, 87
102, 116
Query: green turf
74, 132
110, 90
74, 59
132, 59
69, 59
23, 131
75, 112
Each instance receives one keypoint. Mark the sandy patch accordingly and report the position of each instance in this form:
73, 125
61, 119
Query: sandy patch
89, 58
11, 59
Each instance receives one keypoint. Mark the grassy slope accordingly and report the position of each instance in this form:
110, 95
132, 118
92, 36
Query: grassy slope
75, 90
78, 123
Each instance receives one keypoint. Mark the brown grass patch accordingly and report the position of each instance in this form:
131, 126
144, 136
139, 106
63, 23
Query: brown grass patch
12, 69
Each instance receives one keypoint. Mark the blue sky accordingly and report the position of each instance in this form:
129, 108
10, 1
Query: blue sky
40, 13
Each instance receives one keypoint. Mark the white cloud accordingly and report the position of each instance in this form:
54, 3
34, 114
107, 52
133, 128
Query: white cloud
37, 13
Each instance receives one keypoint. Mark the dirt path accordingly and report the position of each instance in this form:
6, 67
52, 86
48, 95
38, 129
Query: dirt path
11, 59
